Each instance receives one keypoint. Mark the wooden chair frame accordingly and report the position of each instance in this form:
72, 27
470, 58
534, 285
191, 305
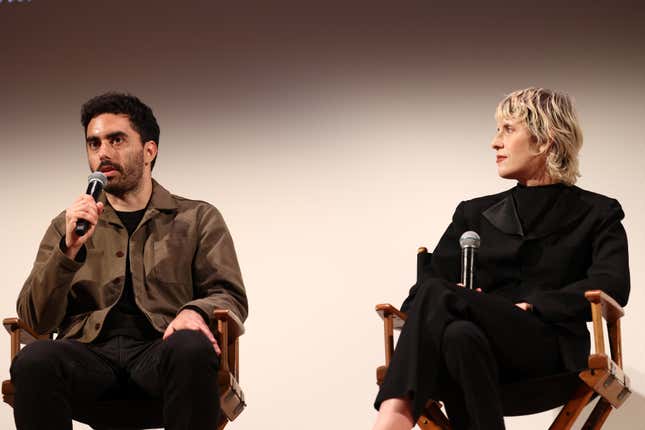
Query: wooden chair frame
228, 331
604, 376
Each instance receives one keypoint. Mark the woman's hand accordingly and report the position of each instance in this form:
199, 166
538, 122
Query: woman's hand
525, 306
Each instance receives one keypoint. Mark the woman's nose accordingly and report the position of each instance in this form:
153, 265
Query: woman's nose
496, 143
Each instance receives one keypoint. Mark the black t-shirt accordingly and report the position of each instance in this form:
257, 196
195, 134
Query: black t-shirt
125, 318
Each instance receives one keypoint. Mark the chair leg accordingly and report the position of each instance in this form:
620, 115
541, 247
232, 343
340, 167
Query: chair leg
598, 415
572, 409
433, 418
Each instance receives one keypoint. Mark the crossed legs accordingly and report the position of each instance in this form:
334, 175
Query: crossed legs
457, 346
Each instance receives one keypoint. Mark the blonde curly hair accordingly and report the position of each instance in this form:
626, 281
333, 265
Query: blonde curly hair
550, 117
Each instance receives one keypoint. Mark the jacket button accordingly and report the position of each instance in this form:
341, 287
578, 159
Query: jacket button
97, 326
119, 254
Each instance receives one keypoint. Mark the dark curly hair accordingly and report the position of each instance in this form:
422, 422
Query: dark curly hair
141, 117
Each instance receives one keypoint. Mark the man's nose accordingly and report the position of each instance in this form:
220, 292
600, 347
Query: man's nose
105, 151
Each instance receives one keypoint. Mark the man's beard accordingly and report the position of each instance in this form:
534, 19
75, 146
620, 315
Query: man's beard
129, 177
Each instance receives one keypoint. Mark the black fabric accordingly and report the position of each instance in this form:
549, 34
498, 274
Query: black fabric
62, 377
131, 220
125, 318
579, 244
539, 394
494, 342
532, 203
80, 256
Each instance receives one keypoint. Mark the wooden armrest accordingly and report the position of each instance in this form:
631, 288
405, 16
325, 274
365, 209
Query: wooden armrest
20, 333
393, 319
603, 306
230, 328
386, 310
27, 334
236, 328
611, 310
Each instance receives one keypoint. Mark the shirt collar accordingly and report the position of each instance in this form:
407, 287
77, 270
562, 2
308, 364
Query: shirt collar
160, 201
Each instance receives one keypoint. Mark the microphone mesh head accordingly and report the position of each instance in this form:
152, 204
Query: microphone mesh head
469, 239
97, 176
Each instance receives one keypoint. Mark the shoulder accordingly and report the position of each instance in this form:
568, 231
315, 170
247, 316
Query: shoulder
596, 200
603, 206
199, 208
186, 203
204, 215
164, 200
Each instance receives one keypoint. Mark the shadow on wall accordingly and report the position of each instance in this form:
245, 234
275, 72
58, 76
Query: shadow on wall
629, 416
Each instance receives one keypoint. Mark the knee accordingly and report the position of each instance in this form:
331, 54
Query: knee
191, 348
462, 338
35, 360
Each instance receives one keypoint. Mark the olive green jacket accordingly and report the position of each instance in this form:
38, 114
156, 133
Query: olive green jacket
181, 254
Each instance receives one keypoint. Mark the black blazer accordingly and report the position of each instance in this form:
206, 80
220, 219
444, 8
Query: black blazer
579, 245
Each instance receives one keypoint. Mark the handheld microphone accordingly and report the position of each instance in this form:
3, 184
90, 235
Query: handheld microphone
469, 242
95, 183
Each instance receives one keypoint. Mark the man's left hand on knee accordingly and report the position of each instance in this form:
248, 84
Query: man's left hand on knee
189, 319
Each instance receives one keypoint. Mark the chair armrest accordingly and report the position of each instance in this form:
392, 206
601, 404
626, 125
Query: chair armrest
393, 319
235, 326
229, 328
611, 310
386, 310
603, 306
27, 334
21, 333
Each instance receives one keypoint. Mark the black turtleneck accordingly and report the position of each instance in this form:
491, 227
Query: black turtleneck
534, 202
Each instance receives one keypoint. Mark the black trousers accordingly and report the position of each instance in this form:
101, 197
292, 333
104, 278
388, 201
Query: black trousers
459, 345
56, 377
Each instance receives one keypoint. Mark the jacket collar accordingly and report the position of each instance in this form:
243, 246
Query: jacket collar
567, 209
160, 201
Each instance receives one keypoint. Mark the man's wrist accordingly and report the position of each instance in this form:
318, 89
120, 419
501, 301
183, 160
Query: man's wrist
77, 255
199, 311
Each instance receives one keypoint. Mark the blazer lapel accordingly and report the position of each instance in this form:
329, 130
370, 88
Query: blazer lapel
503, 215
567, 209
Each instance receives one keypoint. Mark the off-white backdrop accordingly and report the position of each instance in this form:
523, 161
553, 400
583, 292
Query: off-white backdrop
335, 140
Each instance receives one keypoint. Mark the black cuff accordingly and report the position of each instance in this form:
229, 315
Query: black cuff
80, 256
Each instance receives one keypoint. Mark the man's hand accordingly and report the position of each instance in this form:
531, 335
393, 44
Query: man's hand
83, 208
189, 319
524, 306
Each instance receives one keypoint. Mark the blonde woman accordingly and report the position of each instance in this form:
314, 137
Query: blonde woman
544, 242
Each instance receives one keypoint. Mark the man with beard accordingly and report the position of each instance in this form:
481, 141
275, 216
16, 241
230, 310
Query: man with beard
131, 299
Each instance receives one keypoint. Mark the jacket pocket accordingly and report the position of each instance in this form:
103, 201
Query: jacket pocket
170, 263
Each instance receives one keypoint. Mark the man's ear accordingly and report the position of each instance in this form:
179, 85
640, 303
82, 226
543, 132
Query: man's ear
149, 151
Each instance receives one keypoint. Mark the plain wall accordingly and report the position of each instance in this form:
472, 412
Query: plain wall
336, 138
